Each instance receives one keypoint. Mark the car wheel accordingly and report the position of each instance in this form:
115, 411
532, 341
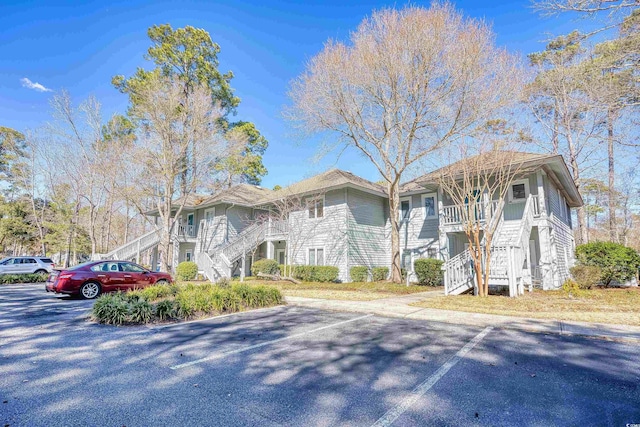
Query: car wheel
90, 290
162, 282
41, 271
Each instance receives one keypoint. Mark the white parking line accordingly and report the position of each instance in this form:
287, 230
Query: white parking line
252, 347
390, 416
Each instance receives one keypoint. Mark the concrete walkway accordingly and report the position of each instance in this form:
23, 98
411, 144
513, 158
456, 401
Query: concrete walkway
398, 306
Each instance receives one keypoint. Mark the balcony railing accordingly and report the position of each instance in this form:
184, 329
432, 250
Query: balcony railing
455, 214
277, 228
185, 230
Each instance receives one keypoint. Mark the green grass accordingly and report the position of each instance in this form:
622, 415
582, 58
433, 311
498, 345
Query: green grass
181, 302
600, 305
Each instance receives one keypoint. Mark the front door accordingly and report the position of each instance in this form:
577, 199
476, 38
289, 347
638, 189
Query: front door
135, 276
280, 256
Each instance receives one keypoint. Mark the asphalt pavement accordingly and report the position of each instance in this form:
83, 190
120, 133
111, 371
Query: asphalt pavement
300, 366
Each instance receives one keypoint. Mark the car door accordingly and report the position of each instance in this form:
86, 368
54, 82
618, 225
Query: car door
28, 266
21, 266
136, 275
110, 276
7, 266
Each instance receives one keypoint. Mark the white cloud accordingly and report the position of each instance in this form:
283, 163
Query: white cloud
35, 86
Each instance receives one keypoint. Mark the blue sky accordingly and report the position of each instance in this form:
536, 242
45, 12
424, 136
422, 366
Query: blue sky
79, 46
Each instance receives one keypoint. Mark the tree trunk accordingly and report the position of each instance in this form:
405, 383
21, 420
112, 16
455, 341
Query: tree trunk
613, 234
582, 236
394, 212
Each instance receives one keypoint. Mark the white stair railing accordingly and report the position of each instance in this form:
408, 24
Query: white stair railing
132, 248
250, 238
458, 274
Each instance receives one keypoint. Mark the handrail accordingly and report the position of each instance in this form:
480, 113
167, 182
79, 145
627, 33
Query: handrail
458, 273
132, 247
245, 241
454, 214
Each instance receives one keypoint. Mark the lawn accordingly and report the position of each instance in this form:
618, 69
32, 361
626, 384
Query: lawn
616, 306
354, 291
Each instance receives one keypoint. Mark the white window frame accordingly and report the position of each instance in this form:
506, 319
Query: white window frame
526, 191
435, 205
213, 209
315, 201
400, 217
315, 249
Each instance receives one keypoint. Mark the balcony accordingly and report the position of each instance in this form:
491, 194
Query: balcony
454, 214
186, 230
277, 229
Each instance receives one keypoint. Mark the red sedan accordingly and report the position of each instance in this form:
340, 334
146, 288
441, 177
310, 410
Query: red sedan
93, 278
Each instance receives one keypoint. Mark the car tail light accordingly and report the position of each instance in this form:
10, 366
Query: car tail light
65, 276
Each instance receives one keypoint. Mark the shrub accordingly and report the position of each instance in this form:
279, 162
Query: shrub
571, 287
379, 273
23, 278
265, 266
586, 276
617, 262
111, 309
166, 309
429, 271
324, 273
359, 273
187, 270
316, 273
140, 311
223, 282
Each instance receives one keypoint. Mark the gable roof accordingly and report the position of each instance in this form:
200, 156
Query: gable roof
553, 164
240, 194
332, 179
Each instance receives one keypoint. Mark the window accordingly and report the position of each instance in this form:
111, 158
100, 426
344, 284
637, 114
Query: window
107, 266
46, 260
519, 191
429, 205
29, 261
406, 260
316, 256
405, 209
133, 268
188, 256
432, 253
316, 207
209, 214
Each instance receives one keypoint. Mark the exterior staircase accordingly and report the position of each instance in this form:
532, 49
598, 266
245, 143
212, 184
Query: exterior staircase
132, 249
508, 252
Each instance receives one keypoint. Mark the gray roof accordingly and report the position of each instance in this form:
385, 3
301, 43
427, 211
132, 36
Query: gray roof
241, 194
553, 164
332, 179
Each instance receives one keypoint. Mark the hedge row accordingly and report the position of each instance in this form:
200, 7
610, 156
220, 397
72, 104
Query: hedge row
6, 279
181, 302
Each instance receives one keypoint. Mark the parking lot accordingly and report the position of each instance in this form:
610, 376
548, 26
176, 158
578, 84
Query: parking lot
302, 367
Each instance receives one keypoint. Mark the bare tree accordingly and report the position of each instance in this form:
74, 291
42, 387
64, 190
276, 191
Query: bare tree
478, 185
173, 127
409, 82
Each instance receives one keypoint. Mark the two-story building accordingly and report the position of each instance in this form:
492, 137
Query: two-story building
339, 219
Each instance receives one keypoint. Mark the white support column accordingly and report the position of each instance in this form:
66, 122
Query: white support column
138, 253
443, 241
